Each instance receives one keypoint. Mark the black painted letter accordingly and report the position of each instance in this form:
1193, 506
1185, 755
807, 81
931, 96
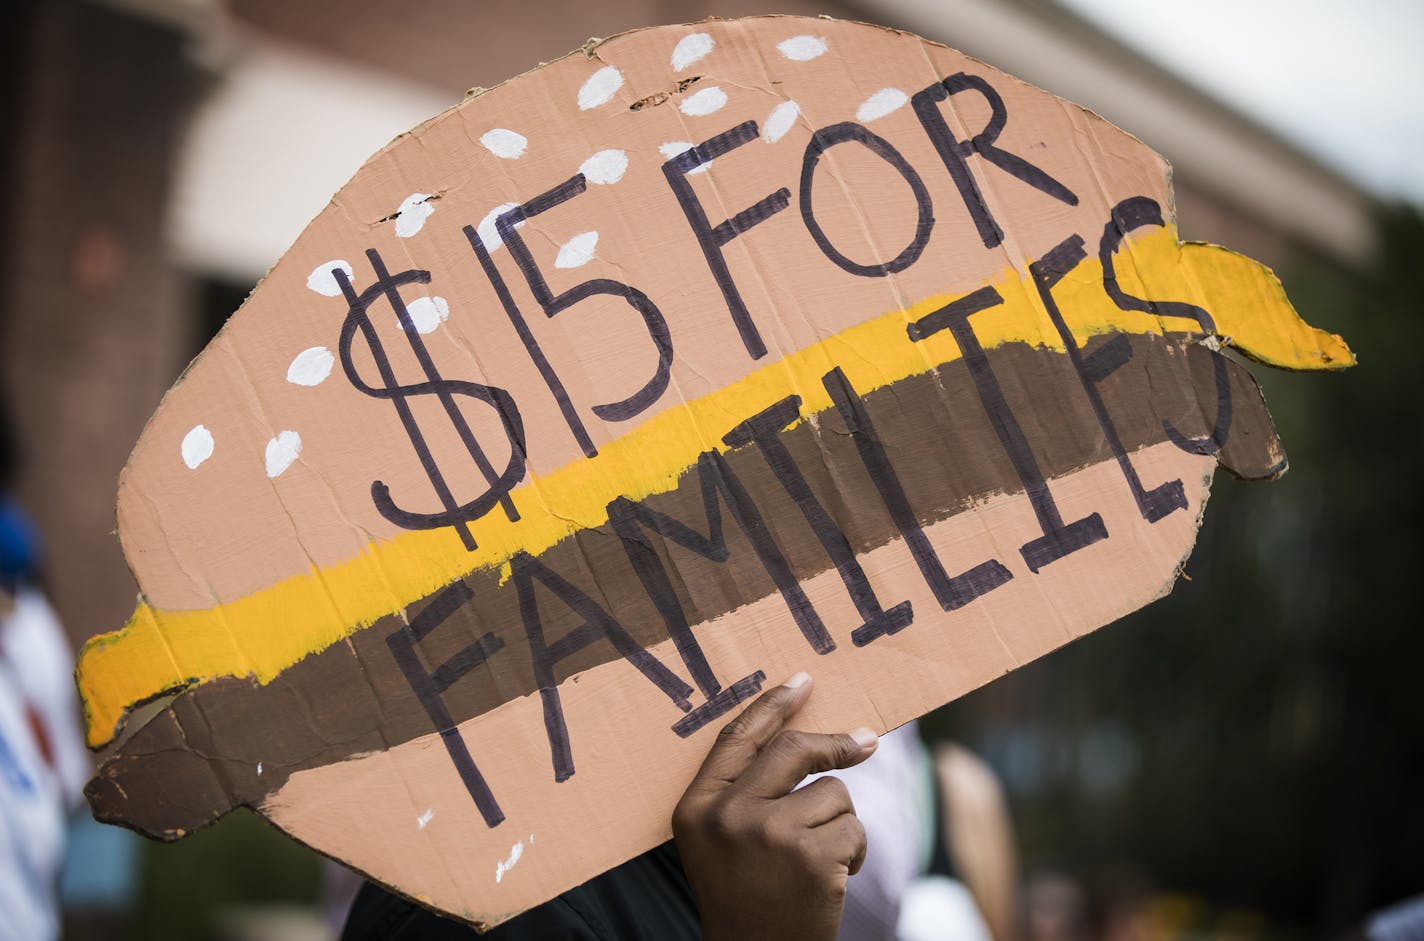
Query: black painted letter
1132, 214
1058, 539
1153, 504
553, 304
956, 153
430, 686
714, 238
718, 484
764, 429
598, 625
454, 513
828, 137
953, 592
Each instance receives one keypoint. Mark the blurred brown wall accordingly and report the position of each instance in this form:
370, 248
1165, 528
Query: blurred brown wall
455, 44
91, 329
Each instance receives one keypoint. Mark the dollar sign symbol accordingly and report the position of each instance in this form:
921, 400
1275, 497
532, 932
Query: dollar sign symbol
455, 514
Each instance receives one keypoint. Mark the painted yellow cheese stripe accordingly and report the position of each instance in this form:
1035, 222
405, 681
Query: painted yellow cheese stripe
262, 634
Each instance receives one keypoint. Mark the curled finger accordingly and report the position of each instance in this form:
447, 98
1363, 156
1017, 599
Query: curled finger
819, 802
844, 839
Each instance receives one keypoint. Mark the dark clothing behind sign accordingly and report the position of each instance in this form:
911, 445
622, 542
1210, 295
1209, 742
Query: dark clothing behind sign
645, 899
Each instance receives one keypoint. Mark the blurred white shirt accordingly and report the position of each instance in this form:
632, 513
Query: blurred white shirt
42, 766
891, 898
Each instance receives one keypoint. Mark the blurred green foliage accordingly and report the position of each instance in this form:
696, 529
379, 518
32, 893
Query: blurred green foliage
241, 860
1258, 736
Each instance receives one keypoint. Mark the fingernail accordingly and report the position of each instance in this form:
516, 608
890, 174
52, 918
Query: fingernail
797, 681
864, 737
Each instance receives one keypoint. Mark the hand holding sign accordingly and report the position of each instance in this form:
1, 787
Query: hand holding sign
713, 353
764, 860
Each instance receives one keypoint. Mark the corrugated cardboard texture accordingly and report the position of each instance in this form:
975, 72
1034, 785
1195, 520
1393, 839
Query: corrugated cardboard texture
588, 408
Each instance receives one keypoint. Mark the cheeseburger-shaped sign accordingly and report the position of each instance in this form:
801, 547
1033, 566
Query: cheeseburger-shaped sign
587, 409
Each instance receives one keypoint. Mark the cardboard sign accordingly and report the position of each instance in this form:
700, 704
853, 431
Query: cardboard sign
600, 402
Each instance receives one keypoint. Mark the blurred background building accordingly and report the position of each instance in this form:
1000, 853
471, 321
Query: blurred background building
1239, 760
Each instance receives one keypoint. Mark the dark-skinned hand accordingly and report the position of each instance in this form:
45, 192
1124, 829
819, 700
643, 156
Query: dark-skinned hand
767, 860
